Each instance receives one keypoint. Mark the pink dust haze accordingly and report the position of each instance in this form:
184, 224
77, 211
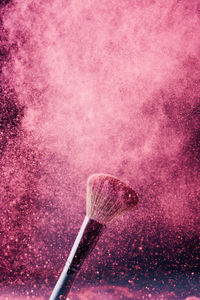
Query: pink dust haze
100, 87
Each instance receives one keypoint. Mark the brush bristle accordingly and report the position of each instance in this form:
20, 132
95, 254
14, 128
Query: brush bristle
108, 197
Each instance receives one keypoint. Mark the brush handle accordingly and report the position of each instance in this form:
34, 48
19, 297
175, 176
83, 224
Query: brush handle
85, 242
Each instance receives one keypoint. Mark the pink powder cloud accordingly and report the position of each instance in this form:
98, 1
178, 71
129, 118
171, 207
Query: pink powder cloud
106, 87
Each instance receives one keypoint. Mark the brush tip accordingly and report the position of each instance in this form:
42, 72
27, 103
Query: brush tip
108, 197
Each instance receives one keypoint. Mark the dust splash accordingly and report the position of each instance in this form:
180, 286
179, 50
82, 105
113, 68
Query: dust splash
99, 87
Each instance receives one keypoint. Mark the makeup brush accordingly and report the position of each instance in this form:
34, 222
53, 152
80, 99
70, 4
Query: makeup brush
107, 197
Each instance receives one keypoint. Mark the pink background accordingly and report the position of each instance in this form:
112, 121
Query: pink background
100, 86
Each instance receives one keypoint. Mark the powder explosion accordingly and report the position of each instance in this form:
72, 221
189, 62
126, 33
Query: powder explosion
100, 86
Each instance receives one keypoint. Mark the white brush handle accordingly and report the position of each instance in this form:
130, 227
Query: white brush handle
85, 242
